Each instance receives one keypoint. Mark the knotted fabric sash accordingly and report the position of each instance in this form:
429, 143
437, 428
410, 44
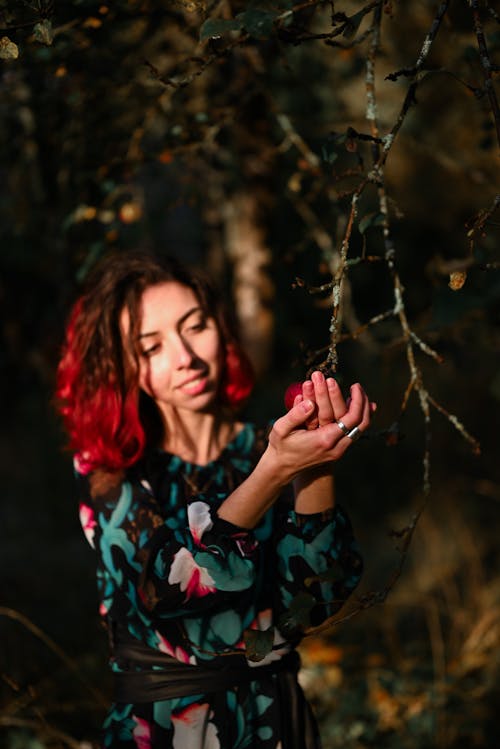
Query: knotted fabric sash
162, 677
148, 675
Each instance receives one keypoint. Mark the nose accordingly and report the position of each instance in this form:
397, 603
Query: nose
184, 354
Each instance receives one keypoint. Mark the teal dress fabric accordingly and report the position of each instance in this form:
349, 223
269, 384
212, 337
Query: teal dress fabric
186, 583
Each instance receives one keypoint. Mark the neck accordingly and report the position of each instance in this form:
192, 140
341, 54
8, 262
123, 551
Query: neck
197, 437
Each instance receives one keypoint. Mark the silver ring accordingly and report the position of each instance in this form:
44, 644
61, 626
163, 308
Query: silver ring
342, 427
354, 434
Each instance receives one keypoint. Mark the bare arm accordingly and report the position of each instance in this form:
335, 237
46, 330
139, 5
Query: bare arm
296, 452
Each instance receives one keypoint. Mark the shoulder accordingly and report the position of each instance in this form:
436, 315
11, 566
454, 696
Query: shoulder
99, 485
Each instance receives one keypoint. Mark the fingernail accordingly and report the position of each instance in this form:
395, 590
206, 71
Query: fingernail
317, 377
331, 383
306, 405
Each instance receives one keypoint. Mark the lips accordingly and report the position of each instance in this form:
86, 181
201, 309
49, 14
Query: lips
195, 385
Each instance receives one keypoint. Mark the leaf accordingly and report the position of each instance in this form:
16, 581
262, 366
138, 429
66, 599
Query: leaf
328, 154
8, 50
371, 219
330, 146
353, 24
298, 615
258, 643
214, 28
43, 32
259, 23
457, 280
332, 575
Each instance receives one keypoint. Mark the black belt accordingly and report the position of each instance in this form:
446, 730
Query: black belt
162, 677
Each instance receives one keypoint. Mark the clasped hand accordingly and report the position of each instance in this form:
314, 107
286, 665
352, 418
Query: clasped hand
309, 434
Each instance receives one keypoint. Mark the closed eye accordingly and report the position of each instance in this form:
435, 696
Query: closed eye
196, 327
151, 350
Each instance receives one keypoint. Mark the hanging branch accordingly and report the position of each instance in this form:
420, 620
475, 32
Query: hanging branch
480, 221
414, 74
486, 66
375, 597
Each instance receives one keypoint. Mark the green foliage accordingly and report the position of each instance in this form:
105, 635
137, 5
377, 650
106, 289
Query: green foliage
257, 22
370, 220
258, 643
44, 32
331, 575
298, 616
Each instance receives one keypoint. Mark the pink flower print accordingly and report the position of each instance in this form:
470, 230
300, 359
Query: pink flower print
193, 579
246, 544
142, 733
103, 611
88, 522
179, 653
192, 727
81, 463
199, 520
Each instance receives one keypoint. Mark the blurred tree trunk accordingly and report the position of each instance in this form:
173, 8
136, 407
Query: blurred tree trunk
253, 289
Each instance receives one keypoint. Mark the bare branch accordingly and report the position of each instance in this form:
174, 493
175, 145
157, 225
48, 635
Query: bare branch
486, 66
40, 634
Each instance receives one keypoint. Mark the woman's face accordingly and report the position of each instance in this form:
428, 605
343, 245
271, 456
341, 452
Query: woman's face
180, 350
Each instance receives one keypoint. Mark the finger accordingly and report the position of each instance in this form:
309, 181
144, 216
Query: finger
298, 399
337, 399
294, 418
355, 412
322, 398
366, 418
308, 393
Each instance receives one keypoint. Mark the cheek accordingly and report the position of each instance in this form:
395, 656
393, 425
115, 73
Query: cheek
217, 356
145, 377
153, 374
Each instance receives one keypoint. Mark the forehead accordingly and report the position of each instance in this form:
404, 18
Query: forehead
166, 302
162, 305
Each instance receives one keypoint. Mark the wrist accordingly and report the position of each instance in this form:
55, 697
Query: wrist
272, 472
321, 473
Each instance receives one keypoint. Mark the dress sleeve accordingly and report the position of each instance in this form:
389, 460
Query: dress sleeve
166, 566
319, 565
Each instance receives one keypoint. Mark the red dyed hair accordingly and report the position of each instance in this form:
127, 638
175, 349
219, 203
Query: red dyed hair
106, 416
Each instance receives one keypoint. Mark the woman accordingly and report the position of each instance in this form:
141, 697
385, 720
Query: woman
217, 543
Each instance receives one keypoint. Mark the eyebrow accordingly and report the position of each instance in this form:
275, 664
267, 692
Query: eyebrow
180, 321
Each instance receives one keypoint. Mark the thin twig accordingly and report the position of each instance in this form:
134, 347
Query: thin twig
479, 222
486, 65
40, 729
413, 73
49, 642
476, 446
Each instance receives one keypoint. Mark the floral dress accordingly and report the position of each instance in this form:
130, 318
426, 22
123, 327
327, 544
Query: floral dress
184, 582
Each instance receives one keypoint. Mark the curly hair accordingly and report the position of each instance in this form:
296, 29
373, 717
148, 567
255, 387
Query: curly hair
108, 419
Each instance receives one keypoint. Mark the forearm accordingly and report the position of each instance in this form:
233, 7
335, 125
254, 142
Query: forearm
314, 490
249, 502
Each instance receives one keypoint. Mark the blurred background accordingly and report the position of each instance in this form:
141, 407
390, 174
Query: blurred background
277, 145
